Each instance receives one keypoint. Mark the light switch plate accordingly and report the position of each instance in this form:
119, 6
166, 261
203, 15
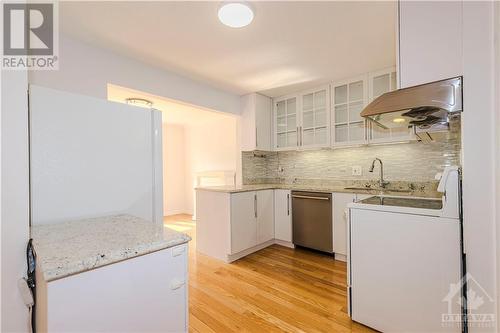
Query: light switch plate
357, 170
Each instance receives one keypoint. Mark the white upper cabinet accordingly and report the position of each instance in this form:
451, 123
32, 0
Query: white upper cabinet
379, 83
348, 100
303, 120
430, 41
314, 127
256, 122
286, 128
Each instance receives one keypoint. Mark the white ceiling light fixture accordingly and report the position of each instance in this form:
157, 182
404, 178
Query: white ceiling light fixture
144, 103
235, 14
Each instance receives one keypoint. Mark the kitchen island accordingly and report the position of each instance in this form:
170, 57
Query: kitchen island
111, 273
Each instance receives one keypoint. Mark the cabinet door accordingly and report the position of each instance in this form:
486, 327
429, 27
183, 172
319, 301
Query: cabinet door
262, 122
348, 100
255, 122
265, 215
430, 41
315, 118
243, 221
379, 83
340, 201
286, 123
282, 215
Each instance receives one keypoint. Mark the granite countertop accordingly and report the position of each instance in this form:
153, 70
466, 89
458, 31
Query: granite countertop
318, 188
72, 247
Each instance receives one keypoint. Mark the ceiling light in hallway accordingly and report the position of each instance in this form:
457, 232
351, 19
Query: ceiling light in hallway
235, 14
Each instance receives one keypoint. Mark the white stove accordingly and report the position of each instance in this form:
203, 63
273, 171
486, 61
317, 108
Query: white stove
404, 256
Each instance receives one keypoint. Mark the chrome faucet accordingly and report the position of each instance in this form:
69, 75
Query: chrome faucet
382, 182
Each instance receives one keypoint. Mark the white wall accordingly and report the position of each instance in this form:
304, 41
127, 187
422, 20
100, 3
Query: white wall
497, 107
479, 150
211, 145
87, 70
174, 185
15, 200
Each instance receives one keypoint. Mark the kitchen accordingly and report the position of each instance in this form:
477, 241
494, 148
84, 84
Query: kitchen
302, 236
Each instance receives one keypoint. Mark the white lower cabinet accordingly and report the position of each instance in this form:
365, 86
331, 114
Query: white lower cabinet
265, 215
243, 221
340, 201
283, 215
107, 299
232, 225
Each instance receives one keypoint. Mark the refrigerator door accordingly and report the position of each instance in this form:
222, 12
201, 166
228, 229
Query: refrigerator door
402, 267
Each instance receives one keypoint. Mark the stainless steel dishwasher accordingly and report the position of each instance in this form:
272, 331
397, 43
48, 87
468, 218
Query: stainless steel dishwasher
312, 220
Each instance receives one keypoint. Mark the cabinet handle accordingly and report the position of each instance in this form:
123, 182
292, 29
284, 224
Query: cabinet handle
256, 145
301, 134
298, 136
288, 204
255, 205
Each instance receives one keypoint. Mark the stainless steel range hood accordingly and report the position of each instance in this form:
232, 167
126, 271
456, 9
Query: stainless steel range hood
428, 107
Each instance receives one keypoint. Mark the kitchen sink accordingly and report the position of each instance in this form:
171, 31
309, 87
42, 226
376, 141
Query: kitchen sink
358, 188
377, 189
403, 202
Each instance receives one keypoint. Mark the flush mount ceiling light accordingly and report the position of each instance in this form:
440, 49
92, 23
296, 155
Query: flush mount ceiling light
235, 14
399, 120
144, 103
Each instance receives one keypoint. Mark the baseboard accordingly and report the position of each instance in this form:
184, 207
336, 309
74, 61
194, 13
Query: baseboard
284, 243
340, 257
236, 256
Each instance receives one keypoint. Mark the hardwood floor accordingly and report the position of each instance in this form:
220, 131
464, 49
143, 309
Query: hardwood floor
274, 290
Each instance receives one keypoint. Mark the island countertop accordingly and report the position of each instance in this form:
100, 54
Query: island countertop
67, 248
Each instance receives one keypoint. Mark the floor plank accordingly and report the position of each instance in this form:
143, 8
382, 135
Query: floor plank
277, 289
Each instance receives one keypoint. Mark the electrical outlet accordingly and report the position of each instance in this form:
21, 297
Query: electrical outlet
357, 170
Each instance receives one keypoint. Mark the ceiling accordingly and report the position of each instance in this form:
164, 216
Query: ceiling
288, 47
173, 112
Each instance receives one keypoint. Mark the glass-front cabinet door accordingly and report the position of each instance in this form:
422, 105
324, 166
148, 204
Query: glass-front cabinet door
381, 82
315, 118
286, 123
348, 100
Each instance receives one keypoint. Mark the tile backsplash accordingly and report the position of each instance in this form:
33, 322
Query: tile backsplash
413, 162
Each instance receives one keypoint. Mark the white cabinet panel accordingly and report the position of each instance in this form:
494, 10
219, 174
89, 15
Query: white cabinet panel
265, 215
285, 123
302, 120
400, 266
282, 215
340, 201
243, 221
348, 100
256, 122
430, 41
314, 124
107, 299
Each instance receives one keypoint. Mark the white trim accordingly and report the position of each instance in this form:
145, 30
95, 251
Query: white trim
232, 257
284, 243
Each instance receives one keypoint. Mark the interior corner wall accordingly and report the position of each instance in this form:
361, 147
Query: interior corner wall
174, 198
14, 198
86, 69
479, 151
497, 122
